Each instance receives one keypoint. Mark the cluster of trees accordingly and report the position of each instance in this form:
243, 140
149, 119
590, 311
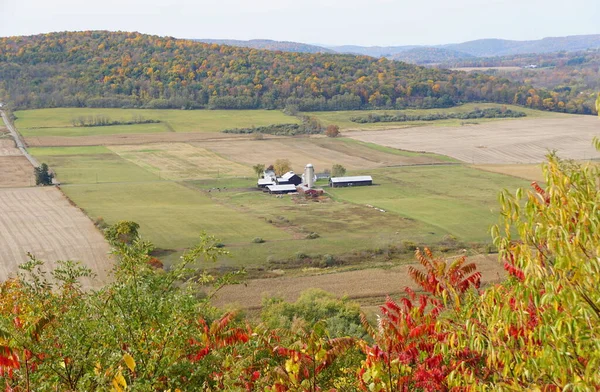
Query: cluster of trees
108, 69
104, 121
477, 113
310, 126
150, 329
42, 175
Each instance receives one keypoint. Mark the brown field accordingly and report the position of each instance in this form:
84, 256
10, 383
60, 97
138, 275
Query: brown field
367, 286
321, 152
528, 172
15, 172
500, 142
43, 222
8, 148
181, 161
134, 138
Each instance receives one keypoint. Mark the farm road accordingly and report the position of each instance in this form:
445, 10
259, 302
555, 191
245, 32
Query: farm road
17, 139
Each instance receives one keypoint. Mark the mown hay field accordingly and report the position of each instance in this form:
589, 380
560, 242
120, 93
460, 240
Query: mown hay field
15, 172
500, 142
181, 161
43, 222
90, 165
321, 152
59, 122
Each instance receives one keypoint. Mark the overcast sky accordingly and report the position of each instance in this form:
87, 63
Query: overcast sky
333, 22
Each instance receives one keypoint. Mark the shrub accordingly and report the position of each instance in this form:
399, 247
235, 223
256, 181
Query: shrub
301, 256
409, 245
258, 240
312, 236
332, 131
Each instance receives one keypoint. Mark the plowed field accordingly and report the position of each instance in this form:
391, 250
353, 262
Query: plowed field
500, 142
43, 222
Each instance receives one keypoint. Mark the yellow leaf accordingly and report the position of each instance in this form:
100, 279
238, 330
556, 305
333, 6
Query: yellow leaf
119, 383
129, 361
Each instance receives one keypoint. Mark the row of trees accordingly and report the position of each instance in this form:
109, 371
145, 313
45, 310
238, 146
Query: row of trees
105, 69
151, 330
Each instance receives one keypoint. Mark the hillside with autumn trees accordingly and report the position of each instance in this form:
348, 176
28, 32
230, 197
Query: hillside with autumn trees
125, 70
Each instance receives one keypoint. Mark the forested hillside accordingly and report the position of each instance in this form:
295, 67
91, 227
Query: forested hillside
105, 69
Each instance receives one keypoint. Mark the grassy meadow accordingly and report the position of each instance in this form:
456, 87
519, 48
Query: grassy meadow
59, 122
457, 200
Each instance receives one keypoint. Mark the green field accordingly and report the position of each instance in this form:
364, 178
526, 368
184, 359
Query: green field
58, 122
88, 165
342, 118
170, 215
456, 199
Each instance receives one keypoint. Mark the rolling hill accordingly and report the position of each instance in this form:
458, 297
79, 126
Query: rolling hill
430, 55
119, 69
266, 44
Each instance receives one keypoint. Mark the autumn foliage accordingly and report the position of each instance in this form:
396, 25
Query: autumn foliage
125, 70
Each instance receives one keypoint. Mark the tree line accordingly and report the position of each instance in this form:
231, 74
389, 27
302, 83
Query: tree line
132, 70
474, 114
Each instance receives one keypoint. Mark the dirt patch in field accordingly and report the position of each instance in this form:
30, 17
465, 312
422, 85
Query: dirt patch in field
321, 152
43, 222
15, 172
181, 161
8, 147
114, 140
366, 286
499, 142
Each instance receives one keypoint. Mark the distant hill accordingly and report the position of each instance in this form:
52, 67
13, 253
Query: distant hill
501, 47
266, 44
478, 48
373, 51
428, 55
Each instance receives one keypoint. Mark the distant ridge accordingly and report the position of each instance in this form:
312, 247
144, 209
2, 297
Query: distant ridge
477, 48
430, 55
267, 44
501, 47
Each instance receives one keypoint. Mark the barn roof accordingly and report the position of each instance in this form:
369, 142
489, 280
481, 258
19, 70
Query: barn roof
351, 179
281, 188
288, 175
265, 181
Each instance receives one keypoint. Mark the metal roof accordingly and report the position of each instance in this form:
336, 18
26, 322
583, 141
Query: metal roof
351, 179
277, 188
265, 181
288, 175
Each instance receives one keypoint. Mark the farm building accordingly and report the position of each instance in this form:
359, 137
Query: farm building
350, 181
264, 182
289, 178
281, 189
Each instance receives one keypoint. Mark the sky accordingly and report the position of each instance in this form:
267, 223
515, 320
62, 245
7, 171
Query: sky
327, 22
